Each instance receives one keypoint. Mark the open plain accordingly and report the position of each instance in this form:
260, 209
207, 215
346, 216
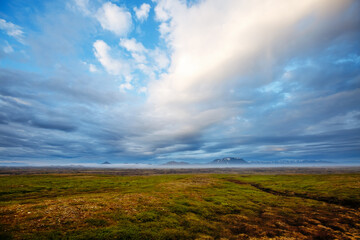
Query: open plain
258, 203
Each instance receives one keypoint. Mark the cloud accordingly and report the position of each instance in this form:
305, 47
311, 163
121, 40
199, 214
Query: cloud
102, 53
262, 80
137, 50
160, 58
149, 61
164, 30
163, 9
92, 68
57, 125
83, 6
142, 90
132, 45
221, 45
126, 86
57, 118
219, 49
60, 36
7, 48
12, 30
142, 13
114, 18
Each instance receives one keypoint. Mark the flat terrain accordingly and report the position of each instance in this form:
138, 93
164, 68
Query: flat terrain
282, 203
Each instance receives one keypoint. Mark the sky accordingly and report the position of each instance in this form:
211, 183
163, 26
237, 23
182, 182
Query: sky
128, 81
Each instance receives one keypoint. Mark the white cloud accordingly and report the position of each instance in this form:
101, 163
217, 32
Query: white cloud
142, 90
142, 13
112, 65
126, 86
139, 58
163, 9
132, 45
12, 30
215, 48
92, 68
136, 49
83, 6
150, 62
8, 48
17, 100
160, 58
164, 29
114, 19
102, 53
221, 45
213, 42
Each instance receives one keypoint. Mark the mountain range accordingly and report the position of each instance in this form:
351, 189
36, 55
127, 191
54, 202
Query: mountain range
228, 161
222, 161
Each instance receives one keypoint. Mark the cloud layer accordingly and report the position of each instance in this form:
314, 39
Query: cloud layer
170, 80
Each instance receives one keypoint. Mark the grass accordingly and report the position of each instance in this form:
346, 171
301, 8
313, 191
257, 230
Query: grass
179, 206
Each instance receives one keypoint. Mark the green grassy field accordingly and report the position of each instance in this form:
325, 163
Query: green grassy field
180, 206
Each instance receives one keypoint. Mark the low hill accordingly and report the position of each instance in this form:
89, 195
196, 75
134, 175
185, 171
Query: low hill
174, 163
228, 161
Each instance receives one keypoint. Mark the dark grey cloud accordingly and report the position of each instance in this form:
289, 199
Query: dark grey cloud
53, 125
56, 118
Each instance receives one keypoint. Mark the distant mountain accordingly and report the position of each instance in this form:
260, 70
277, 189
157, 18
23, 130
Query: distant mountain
21, 164
291, 161
228, 161
106, 162
174, 163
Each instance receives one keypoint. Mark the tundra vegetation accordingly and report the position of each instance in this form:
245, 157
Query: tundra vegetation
180, 206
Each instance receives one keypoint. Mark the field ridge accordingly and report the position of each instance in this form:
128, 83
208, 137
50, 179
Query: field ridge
330, 200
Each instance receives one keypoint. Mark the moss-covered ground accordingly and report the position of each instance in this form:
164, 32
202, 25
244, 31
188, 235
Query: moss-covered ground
180, 206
